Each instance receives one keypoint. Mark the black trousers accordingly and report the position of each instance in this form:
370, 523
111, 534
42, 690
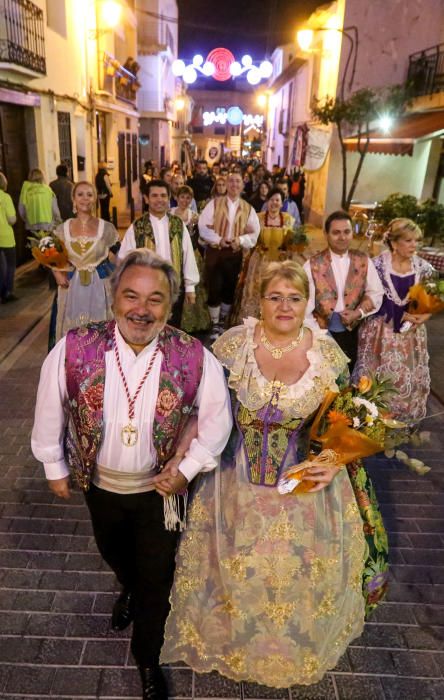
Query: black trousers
348, 342
176, 312
130, 534
222, 269
7, 271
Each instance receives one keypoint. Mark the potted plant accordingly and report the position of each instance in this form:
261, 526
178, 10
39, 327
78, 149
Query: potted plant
431, 220
395, 206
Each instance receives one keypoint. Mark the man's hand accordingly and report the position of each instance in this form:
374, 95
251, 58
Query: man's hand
170, 480
235, 245
190, 297
349, 315
60, 487
224, 244
366, 305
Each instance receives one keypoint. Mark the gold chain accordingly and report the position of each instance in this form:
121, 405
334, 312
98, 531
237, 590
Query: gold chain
277, 353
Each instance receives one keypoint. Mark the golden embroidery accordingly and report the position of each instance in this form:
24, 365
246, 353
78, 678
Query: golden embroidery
188, 583
280, 571
320, 568
279, 612
282, 529
229, 607
310, 667
351, 511
235, 661
198, 513
189, 635
274, 669
326, 608
236, 566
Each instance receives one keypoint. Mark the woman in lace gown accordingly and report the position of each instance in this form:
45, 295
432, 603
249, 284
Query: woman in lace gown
269, 588
83, 294
274, 243
385, 348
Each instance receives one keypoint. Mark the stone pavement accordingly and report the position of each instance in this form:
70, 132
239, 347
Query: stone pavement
56, 594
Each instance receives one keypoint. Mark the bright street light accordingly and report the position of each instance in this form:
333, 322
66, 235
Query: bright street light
304, 38
262, 100
111, 13
179, 103
386, 123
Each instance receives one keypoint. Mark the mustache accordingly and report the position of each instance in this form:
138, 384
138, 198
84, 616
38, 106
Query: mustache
145, 318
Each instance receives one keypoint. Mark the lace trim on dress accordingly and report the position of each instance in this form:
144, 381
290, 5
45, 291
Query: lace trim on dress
235, 350
420, 268
72, 254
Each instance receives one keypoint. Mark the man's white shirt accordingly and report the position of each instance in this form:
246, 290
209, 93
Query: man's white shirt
163, 248
340, 266
212, 401
209, 235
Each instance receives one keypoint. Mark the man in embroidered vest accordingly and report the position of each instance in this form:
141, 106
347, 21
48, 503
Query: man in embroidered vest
344, 285
134, 409
168, 236
228, 224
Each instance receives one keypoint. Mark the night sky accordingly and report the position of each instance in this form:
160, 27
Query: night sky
243, 26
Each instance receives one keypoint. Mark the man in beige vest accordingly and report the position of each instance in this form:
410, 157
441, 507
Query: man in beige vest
227, 224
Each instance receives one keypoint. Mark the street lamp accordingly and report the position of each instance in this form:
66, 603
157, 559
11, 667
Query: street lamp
305, 38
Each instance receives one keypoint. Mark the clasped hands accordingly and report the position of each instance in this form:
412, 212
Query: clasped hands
416, 319
170, 480
320, 473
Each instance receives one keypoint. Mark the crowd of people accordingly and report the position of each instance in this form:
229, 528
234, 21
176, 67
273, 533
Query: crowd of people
179, 448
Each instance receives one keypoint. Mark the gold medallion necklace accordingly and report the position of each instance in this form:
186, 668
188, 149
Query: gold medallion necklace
277, 352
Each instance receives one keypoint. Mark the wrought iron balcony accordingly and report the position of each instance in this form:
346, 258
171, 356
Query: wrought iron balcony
22, 35
426, 71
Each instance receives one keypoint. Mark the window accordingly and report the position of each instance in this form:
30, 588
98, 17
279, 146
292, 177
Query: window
197, 129
56, 16
134, 156
65, 147
102, 153
219, 130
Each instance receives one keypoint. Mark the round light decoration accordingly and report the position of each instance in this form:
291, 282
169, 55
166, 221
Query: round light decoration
221, 65
235, 116
222, 59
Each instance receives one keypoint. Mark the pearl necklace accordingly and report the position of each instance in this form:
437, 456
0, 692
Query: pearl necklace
277, 352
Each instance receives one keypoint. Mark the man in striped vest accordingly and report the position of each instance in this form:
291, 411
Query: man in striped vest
227, 224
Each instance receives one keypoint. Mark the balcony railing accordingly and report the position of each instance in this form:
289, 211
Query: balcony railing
22, 35
426, 71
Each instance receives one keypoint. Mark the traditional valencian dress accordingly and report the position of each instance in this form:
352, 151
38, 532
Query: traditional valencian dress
270, 247
269, 588
195, 317
88, 297
385, 351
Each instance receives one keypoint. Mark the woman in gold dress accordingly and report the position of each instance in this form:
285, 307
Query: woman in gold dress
269, 588
83, 292
274, 244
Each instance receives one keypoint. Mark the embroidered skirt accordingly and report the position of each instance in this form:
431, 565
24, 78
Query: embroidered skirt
268, 588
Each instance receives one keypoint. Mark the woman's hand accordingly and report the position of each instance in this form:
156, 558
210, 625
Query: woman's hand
417, 319
321, 474
61, 278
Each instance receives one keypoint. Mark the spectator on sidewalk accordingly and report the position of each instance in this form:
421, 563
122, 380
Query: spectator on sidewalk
62, 188
104, 191
8, 217
38, 204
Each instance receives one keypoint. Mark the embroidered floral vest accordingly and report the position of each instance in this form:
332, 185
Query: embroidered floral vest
221, 221
144, 235
326, 292
180, 375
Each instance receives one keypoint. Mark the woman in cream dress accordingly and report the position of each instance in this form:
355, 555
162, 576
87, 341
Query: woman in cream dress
84, 292
269, 588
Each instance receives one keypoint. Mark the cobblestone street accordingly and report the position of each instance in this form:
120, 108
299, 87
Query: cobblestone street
56, 594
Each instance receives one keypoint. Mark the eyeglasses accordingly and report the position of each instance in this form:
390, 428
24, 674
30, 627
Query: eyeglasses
292, 300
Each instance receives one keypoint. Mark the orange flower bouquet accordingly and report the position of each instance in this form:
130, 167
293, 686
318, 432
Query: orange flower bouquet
427, 297
49, 250
356, 426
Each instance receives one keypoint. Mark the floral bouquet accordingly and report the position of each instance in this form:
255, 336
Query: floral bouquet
426, 297
49, 250
348, 426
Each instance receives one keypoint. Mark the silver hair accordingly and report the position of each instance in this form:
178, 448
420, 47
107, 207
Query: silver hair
146, 258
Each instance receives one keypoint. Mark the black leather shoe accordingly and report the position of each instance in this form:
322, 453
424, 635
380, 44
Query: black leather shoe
123, 611
153, 683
